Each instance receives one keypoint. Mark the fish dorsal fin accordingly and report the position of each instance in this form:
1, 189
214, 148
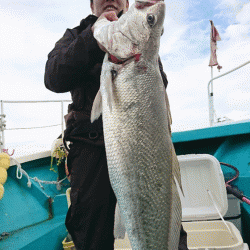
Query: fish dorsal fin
97, 107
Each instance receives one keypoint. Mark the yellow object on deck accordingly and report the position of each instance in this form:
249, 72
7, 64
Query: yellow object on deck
4, 160
4, 165
68, 245
68, 196
3, 175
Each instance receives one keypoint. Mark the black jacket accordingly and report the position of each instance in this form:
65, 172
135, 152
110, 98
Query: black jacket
75, 65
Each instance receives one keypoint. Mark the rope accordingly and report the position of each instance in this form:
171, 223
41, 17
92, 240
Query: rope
34, 127
20, 172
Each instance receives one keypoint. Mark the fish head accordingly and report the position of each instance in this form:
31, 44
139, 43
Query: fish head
148, 23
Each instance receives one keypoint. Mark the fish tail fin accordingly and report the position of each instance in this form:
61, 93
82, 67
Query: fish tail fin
97, 107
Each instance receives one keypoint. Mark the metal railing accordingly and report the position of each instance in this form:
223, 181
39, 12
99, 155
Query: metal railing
3, 121
210, 92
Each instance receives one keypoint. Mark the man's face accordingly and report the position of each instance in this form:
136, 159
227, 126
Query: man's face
100, 6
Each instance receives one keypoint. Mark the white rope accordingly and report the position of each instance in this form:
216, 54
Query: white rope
20, 172
214, 203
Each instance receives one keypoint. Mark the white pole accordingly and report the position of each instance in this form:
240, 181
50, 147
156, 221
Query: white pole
211, 101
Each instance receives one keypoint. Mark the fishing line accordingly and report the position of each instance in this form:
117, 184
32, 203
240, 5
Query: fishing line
217, 209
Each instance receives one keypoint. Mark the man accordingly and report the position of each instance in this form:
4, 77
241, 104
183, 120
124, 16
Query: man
75, 65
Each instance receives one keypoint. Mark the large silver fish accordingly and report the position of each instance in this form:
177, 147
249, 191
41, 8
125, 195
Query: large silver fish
142, 163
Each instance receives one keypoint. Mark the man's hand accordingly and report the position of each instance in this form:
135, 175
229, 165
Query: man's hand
110, 16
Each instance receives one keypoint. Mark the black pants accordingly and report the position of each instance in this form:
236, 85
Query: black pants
90, 218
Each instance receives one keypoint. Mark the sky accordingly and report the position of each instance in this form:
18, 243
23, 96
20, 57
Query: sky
30, 29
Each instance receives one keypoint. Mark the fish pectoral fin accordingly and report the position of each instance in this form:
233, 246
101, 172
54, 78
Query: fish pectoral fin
97, 107
109, 88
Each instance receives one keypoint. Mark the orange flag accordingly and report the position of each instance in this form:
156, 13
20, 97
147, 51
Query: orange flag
214, 35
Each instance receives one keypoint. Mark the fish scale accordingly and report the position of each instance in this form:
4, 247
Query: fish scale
132, 100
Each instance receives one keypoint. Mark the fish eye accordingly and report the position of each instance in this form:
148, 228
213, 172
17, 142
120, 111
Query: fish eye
151, 20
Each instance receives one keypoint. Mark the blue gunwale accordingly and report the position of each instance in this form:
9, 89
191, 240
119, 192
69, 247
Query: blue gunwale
218, 131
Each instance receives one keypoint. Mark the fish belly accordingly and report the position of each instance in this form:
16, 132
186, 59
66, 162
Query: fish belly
140, 157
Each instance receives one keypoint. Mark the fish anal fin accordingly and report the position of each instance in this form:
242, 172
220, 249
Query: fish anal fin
97, 107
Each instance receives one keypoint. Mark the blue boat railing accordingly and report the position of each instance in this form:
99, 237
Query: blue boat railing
3, 119
210, 92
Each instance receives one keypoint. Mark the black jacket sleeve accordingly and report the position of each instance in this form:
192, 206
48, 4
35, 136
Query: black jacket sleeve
69, 64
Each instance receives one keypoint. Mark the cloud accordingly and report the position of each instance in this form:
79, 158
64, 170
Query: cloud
237, 32
171, 39
24, 44
229, 9
24, 38
239, 99
237, 115
244, 15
